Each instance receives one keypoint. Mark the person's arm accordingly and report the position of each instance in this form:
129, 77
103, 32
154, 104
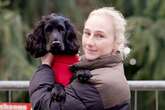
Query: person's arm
43, 90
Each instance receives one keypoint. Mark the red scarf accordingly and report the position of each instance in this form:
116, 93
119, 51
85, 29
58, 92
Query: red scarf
61, 64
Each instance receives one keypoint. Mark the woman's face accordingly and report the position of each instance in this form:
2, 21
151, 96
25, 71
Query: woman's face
98, 36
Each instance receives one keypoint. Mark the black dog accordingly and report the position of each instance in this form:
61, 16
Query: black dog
53, 34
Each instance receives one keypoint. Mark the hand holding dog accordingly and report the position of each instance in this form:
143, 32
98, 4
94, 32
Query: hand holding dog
47, 59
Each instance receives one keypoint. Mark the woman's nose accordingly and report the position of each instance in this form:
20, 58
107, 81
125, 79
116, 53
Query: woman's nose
90, 41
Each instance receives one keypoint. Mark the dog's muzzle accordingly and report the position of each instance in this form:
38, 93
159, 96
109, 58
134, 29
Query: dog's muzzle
56, 47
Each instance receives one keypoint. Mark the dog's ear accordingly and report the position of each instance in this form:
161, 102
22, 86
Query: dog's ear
71, 41
36, 41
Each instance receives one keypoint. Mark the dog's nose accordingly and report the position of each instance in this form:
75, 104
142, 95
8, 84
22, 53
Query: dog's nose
56, 47
56, 42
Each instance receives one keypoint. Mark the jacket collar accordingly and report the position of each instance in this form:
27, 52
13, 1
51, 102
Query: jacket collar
104, 61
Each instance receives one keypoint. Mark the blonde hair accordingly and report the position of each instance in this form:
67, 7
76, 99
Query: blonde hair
119, 25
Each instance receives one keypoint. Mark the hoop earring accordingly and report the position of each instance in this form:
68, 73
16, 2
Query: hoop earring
114, 52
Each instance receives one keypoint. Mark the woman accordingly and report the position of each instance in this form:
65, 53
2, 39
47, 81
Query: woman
101, 83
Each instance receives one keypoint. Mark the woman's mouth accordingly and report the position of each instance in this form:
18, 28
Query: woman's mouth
90, 51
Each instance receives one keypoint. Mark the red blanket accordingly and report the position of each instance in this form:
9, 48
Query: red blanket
61, 70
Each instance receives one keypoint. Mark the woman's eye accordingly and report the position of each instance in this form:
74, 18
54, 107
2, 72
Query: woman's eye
99, 36
87, 33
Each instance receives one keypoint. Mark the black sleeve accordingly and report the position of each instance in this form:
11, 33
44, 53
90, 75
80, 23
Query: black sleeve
41, 90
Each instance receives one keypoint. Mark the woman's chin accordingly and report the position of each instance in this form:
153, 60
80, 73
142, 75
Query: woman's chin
90, 57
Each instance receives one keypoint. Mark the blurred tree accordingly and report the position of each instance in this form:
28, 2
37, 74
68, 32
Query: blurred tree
13, 57
150, 39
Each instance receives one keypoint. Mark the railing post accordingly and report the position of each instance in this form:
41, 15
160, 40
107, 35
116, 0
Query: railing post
9, 92
157, 100
135, 100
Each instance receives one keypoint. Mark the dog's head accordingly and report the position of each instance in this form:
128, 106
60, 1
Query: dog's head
53, 34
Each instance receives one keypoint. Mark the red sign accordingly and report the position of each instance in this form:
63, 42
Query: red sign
15, 106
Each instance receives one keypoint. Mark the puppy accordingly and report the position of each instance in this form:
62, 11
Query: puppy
53, 34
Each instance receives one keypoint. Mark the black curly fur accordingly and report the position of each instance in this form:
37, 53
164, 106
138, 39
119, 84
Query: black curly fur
54, 34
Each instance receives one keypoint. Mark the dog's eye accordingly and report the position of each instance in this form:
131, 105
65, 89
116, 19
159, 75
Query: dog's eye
60, 28
49, 28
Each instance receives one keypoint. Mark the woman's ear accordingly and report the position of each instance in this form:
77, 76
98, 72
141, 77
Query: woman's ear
71, 43
116, 48
36, 41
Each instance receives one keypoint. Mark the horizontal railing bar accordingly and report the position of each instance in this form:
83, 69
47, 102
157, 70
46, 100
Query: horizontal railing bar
14, 85
149, 85
139, 85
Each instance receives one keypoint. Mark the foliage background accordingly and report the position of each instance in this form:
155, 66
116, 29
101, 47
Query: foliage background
145, 33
